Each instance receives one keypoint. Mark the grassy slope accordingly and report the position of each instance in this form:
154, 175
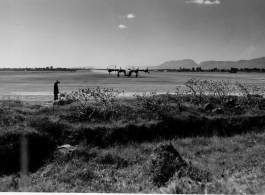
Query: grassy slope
107, 160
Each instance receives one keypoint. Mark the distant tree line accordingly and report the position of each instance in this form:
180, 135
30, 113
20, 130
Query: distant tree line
41, 69
199, 69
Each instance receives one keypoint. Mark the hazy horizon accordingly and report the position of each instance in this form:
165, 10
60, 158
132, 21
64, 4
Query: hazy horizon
100, 33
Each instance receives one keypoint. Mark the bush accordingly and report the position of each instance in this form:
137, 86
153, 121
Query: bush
55, 129
202, 90
155, 106
249, 91
164, 162
197, 88
92, 101
9, 117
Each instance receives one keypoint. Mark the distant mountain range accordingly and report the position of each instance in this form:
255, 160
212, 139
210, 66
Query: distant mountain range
254, 63
188, 63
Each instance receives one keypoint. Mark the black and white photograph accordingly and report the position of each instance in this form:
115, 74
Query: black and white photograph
132, 96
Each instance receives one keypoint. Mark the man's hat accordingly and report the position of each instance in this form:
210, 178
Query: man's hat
57, 82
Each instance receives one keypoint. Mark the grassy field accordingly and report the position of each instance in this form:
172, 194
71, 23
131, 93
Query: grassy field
117, 144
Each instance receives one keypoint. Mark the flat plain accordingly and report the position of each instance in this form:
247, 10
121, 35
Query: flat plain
38, 86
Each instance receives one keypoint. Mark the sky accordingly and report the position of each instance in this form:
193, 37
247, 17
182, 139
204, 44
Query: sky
100, 33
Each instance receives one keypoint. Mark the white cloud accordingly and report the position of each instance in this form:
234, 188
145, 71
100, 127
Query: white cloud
204, 2
121, 26
196, 1
208, 2
130, 16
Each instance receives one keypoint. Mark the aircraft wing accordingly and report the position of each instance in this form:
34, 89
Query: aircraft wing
97, 69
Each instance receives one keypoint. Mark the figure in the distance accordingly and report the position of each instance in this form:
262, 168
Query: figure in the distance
56, 90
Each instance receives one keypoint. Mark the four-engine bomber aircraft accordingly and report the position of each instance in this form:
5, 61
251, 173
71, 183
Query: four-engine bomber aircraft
130, 71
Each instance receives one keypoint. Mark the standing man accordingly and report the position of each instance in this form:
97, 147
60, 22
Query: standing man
56, 90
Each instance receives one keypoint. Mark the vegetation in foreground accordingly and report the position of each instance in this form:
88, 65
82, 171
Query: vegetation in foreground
201, 141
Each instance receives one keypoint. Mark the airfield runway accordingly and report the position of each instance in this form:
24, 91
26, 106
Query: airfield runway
38, 86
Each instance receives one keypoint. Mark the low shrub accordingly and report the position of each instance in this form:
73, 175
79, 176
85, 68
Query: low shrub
9, 117
55, 129
100, 100
156, 106
163, 163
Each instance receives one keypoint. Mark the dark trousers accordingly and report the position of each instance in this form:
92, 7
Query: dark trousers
55, 96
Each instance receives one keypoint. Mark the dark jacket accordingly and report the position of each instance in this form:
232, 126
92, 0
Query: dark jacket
56, 89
